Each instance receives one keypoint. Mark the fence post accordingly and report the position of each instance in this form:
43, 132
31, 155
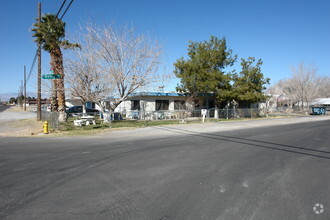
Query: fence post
216, 113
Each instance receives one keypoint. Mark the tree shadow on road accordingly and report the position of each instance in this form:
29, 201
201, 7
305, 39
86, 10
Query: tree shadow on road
256, 143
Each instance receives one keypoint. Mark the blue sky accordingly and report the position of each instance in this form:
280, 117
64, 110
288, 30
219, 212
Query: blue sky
280, 32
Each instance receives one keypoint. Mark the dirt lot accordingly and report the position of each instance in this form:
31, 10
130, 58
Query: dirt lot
26, 127
15, 122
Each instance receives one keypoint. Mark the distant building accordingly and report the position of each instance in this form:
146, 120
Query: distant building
32, 102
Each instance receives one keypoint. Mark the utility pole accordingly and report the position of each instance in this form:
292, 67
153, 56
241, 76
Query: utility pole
21, 94
18, 98
39, 69
24, 88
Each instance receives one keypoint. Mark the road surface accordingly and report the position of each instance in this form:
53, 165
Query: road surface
273, 172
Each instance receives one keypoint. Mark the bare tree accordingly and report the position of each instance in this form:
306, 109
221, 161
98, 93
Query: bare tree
304, 83
114, 63
86, 78
288, 88
323, 88
131, 60
303, 86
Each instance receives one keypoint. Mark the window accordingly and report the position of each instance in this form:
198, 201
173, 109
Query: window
162, 104
135, 105
78, 108
211, 104
179, 104
107, 105
90, 105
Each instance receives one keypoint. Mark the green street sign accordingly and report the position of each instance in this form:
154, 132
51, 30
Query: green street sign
51, 76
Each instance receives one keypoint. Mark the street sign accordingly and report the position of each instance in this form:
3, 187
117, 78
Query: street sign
51, 76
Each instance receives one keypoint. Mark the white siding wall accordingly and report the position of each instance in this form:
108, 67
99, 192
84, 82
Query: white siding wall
147, 104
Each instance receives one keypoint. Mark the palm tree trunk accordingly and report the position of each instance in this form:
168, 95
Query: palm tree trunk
57, 66
61, 100
54, 103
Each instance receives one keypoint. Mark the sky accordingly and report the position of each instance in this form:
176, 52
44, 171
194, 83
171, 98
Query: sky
282, 33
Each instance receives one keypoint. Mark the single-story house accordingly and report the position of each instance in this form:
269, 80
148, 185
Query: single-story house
154, 105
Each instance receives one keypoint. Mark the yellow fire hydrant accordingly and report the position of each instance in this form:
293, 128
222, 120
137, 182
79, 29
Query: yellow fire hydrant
45, 127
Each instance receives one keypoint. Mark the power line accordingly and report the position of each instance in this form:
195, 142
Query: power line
60, 8
66, 9
33, 63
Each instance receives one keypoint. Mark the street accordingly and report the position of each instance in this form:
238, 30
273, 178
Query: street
171, 172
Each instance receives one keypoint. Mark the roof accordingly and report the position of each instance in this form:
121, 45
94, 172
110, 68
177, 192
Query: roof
321, 101
168, 94
156, 94
159, 94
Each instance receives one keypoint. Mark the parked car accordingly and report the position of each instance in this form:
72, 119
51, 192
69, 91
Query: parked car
79, 110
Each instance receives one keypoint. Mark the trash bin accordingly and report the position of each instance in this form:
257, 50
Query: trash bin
318, 110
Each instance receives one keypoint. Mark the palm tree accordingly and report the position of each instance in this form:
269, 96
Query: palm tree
50, 35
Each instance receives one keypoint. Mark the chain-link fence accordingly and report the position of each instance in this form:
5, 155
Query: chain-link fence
288, 110
51, 117
236, 113
193, 114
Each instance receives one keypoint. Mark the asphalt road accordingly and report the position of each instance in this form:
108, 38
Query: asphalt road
275, 172
4, 107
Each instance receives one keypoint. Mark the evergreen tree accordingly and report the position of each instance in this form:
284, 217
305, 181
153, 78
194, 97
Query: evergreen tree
12, 100
204, 70
249, 83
